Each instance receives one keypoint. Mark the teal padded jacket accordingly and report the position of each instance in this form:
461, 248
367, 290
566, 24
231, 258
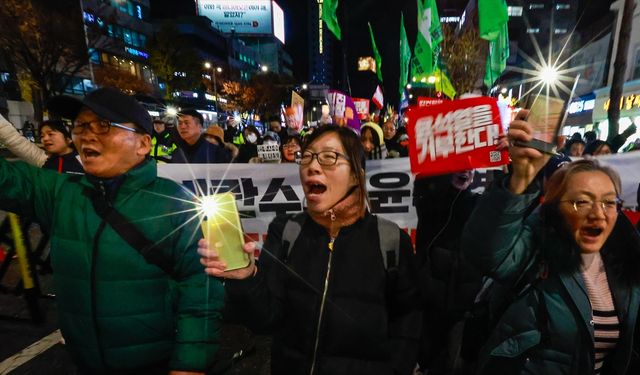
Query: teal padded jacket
549, 328
117, 311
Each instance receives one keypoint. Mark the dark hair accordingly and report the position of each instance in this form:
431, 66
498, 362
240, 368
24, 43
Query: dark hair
595, 146
590, 136
253, 129
57, 125
353, 150
376, 153
193, 113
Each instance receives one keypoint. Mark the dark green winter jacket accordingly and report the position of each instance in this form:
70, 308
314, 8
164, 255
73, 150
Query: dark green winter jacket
116, 310
548, 329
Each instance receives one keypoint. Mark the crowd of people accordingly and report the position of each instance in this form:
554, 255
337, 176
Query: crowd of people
539, 275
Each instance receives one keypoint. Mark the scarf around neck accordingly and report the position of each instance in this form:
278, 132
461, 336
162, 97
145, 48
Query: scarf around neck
343, 214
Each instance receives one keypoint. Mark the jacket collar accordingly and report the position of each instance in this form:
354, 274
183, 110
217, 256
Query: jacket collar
134, 179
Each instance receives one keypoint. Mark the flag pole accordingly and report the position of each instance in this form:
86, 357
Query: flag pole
345, 45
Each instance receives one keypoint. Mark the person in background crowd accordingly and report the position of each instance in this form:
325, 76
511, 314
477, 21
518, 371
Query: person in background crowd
574, 147
269, 138
620, 139
373, 141
162, 145
57, 142
450, 284
215, 135
192, 147
597, 147
59, 153
233, 134
289, 149
276, 127
105, 287
391, 141
590, 136
249, 149
577, 261
328, 300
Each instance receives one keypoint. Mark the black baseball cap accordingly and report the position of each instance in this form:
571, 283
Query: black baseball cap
108, 103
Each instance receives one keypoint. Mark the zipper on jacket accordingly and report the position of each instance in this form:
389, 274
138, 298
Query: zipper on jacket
94, 302
322, 302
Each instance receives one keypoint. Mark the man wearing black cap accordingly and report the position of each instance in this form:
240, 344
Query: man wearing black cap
192, 146
131, 294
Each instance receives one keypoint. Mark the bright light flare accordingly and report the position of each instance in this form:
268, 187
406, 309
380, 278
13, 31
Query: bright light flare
172, 111
209, 206
432, 79
549, 75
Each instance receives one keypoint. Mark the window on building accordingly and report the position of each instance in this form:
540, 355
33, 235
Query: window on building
563, 6
514, 11
560, 31
533, 30
536, 6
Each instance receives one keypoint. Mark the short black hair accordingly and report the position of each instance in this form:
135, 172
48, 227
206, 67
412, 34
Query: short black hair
193, 113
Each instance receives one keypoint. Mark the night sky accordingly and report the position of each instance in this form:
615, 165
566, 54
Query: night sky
384, 16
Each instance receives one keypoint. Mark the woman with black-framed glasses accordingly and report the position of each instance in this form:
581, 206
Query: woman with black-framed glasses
568, 275
338, 299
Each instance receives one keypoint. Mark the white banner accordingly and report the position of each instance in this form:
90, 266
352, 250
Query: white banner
264, 190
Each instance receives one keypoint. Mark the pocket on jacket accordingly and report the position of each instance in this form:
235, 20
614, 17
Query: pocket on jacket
517, 345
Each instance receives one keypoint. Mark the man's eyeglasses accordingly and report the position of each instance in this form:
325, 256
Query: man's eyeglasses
325, 158
99, 127
584, 206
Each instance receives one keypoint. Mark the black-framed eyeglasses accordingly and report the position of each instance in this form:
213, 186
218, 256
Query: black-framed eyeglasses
585, 206
325, 158
99, 127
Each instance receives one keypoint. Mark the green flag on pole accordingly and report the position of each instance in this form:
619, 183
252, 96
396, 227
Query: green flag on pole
376, 54
405, 56
443, 84
493, 19
330, 17
428, 40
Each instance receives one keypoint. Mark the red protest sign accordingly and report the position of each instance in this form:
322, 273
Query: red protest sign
425, 101
362, 107
455, 136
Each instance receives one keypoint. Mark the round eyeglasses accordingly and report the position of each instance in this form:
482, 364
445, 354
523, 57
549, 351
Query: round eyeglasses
585, 206
325, 158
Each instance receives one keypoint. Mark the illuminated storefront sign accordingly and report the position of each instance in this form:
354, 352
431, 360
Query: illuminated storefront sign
136, 52
627, 102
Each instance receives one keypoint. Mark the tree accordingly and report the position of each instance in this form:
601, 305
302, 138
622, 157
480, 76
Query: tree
46, 42
263, 93
462, 56
174, 61
112, 77
619, 68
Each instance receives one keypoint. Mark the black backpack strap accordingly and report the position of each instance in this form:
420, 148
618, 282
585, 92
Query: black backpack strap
292, 229
389, 236
129, 232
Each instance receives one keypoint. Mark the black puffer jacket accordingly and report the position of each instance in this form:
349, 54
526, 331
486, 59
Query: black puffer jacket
369, 324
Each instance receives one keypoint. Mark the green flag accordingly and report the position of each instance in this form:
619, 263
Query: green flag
443, 84
405, 56
376, 54
428, 38
330, 17
493, 19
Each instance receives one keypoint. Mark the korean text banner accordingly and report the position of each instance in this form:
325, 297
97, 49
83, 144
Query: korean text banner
455, 136
265, 190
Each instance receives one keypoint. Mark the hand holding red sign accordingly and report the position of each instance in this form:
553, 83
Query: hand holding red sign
455, 136
526, 161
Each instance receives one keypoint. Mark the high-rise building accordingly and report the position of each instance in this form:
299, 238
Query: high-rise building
321, 42
123, 29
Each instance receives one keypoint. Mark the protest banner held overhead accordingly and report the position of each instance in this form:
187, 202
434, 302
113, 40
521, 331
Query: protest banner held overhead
362, 107
297, 104
342, 110
455, 136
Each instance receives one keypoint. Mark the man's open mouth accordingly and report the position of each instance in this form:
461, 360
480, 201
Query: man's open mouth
90, 153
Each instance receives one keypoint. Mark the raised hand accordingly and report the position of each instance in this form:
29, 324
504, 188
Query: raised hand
526, 162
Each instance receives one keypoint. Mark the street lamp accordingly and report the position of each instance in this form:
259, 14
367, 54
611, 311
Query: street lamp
264, 68
218, 69
304, 86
